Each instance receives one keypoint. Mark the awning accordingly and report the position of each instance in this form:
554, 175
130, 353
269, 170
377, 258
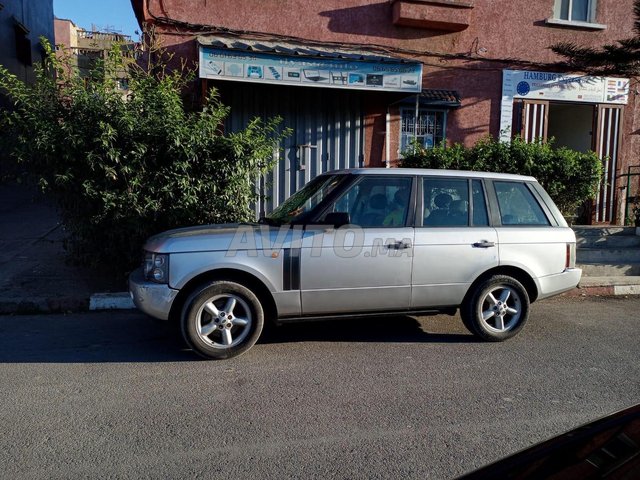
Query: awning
435, 98
292, 64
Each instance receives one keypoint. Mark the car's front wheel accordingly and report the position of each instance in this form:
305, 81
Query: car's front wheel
496, 309
222, 319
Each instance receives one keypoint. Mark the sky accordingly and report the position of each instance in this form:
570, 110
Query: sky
105, 15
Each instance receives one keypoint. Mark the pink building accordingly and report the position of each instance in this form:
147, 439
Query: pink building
357, 80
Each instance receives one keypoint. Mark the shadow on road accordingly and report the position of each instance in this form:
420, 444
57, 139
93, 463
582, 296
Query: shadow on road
391, 329
133, 338
89, 338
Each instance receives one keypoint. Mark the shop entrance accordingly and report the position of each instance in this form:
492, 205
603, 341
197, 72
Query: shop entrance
327, 132
581, 127
572, 126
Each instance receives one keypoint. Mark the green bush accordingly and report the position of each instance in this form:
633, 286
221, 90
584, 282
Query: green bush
568, 176
125, 166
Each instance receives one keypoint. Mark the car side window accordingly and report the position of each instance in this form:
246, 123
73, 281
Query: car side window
480, 215
446, 202
376, 201
517, 205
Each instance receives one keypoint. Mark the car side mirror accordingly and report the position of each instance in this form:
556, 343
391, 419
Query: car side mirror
337, 219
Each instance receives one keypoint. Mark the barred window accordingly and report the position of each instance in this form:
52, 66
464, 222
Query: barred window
429, 131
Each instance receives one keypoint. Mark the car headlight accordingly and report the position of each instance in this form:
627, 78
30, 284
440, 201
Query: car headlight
156, 267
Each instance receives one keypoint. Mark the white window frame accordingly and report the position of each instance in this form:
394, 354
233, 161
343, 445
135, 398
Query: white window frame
422, 111
590, 22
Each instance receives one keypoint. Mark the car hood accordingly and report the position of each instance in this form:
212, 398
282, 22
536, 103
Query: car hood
203, 238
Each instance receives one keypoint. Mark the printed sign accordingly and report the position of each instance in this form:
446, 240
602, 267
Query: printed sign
557, 86
568, 88
224, 64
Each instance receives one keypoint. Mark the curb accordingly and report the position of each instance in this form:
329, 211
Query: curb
40, 305
604, 291
111, 301
22, 306
122, 300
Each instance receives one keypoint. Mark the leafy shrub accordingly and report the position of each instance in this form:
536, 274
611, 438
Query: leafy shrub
124, 167
568, 176
635, 213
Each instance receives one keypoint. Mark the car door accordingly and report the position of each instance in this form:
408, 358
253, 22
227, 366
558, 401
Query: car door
366, 265
454, 242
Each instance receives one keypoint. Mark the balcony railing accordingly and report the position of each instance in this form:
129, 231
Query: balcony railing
102, 36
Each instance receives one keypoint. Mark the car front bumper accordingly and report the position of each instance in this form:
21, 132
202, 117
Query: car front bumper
154, 299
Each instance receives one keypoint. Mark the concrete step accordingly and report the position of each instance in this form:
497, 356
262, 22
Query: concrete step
610, 269
608, 255
608, 241
589, 231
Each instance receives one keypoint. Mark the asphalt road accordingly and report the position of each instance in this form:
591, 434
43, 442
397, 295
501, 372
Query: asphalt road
114, 395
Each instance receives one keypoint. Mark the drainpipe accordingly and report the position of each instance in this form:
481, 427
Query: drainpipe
415, 120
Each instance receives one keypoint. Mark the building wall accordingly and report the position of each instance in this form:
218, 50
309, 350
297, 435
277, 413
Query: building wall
501, 34
66, 33
505, 28
37, 17
83, 47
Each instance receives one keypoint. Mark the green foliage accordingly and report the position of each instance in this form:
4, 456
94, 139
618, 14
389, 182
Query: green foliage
568, 176
124, 166
635, 213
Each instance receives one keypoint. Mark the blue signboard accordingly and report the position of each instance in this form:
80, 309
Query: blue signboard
225, 64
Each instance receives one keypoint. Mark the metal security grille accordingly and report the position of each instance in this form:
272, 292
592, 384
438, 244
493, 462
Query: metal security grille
328, 133
428, 130
608, 142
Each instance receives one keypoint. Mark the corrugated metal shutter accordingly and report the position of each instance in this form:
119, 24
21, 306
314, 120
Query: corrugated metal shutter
328, 133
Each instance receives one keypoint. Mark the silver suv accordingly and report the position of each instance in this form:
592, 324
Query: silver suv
365, 242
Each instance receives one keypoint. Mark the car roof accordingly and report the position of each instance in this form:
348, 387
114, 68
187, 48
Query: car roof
432, 172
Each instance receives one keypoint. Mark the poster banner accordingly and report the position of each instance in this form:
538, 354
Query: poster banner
225, 64
569, 88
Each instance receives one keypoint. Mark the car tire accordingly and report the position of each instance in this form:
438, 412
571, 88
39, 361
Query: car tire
222, 319
496, 309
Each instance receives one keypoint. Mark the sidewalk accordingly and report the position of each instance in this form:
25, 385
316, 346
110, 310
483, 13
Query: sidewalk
35, 275
606, 286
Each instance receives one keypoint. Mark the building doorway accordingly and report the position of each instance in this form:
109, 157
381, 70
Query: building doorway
581, 127
327, 128
571, 125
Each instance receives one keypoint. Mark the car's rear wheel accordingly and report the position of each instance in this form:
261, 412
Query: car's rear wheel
496, 309
222, 319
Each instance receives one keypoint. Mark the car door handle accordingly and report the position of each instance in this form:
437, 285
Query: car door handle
484, 244
400, 245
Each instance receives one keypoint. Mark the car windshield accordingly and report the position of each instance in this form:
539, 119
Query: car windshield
304, 200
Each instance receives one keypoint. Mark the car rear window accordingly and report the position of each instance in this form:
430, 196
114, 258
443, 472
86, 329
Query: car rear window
446, 202
517, 205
